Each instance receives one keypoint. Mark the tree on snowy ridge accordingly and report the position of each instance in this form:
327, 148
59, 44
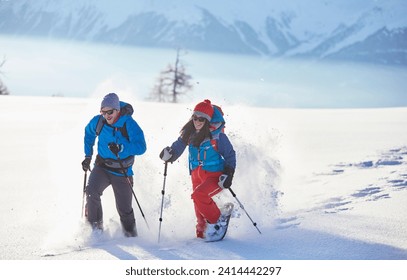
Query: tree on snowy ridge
3, 88
172, 82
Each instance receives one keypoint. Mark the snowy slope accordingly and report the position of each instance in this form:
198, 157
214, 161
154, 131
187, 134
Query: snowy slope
362, 30
321, 184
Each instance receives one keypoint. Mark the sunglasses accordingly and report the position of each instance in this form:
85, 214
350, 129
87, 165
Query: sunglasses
108, 112
199, 119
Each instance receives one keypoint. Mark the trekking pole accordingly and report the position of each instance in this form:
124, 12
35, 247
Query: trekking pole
162, 201
131, 187
84, 192
241, 206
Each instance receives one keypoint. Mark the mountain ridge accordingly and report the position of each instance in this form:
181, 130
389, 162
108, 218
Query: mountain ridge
364, 30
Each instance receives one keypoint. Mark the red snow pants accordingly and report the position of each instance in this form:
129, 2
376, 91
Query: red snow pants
205, 186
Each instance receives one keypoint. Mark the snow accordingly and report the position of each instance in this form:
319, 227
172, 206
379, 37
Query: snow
321, 184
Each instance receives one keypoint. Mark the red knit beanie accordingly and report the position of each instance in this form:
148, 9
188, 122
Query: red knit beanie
204, 109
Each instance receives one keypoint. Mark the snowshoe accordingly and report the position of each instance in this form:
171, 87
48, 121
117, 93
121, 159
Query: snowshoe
217, 231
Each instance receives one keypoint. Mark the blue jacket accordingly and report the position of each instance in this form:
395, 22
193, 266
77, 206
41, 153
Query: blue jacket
212, 154
135, 144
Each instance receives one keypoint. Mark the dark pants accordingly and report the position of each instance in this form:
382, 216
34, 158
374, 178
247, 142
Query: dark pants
99, 180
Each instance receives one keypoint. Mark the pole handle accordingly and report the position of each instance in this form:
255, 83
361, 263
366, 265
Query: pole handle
165, 168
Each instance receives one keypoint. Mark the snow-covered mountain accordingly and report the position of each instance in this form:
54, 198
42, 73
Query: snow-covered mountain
358, 30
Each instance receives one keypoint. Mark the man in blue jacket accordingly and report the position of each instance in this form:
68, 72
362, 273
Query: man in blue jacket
120, 139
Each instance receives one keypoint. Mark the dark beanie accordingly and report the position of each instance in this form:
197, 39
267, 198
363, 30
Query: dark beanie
111, 100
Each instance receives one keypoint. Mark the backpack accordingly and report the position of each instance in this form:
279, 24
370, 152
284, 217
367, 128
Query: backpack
102, 122
217, 125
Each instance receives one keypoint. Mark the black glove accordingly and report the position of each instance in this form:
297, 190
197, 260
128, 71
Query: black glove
225, 180
166, 154
115, 148
86, 164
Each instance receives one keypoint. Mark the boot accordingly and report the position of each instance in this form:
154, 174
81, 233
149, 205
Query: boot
217, 231
129, 230
131, 233
97, 227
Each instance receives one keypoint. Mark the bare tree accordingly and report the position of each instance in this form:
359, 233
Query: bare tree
172, 82
3, 88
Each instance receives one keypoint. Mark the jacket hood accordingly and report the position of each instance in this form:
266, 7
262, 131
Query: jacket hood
126, 109
217, 123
